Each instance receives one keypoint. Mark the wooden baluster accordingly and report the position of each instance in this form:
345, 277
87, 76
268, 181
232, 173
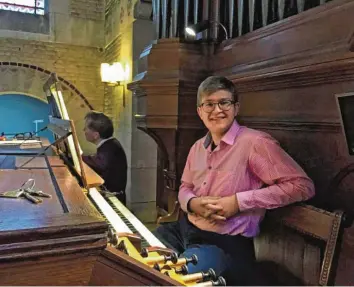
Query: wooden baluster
174, 16
206, 11
265, 12
300, 5
251, 8
156, 16
196, 8
281, 7
164, 19
240, 5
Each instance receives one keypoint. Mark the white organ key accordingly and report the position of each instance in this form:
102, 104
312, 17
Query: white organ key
141, 228
109, 213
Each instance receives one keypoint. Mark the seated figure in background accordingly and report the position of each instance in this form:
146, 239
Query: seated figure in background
232, 175
110, 161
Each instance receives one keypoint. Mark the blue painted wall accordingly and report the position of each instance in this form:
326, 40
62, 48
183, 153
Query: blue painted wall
17, 113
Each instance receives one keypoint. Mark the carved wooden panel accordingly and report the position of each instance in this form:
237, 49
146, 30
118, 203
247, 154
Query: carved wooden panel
166, 107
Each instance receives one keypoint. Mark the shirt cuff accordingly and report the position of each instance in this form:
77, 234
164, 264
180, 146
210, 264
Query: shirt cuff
183, 200
245, 200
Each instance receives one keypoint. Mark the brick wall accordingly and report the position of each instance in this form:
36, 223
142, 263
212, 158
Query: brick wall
76, 64
88, 9
112, 54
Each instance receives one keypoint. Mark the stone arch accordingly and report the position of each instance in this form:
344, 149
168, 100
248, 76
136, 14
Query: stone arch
33, 77
28, 80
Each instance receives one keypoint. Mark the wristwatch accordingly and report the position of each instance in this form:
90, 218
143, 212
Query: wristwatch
188, 205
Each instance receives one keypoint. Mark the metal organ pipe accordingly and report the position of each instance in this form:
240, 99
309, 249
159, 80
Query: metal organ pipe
186, 14
206, 10
164, 18
264, 13
240, 5
215, 17
251, 8
231, 17
174, 16
196, 9
300, 5
156, 13
281, 7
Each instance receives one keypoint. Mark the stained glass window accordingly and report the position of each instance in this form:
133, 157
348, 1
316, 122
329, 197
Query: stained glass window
24, 6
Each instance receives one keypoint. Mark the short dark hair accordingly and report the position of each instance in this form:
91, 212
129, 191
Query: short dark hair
213, 84
100, 123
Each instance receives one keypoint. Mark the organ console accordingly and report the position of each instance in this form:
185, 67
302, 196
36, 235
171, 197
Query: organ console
126, 235
81, 234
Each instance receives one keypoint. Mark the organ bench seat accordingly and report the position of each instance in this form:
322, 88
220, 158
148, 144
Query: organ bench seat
297, 245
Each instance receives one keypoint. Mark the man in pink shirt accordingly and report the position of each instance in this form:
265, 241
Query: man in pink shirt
231, 177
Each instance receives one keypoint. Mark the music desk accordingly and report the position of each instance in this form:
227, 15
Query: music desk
27, 147
55, 242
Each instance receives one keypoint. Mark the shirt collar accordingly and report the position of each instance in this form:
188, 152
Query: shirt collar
228, 138
103, 141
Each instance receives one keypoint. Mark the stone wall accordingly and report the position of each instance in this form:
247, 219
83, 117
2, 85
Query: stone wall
126, 38
87, 9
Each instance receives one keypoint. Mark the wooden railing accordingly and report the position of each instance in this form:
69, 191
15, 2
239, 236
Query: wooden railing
238, 16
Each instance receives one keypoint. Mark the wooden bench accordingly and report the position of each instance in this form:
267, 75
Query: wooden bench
297, 245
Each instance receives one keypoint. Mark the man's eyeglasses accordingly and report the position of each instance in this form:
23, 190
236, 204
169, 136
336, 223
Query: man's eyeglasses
224, 105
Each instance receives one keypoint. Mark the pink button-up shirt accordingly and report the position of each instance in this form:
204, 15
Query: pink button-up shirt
250, 164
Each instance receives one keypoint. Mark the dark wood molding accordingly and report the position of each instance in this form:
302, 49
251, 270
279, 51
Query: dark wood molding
290, 125
336, 71
115, 268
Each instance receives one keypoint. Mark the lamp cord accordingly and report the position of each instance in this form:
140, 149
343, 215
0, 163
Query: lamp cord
224, 28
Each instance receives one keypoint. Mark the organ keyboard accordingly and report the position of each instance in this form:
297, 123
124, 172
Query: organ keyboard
150, 251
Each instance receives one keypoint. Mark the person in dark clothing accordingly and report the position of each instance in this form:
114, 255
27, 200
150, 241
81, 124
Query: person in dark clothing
110, 161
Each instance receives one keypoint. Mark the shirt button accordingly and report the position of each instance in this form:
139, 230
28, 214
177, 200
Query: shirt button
209, 167
204, 183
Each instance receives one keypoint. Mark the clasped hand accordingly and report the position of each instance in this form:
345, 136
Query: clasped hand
215, 208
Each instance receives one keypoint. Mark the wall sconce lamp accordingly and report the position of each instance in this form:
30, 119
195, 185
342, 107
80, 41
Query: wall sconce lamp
114, 74
194, 29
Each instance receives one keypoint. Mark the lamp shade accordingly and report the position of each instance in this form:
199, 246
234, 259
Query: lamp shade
105, 73
194, 29
114, 73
